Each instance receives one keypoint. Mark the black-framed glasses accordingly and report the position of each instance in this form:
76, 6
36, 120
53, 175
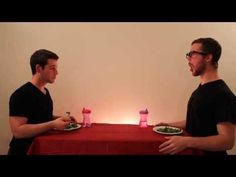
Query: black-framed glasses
190, 54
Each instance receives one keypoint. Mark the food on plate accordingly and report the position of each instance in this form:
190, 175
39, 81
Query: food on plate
167, 129
71, 125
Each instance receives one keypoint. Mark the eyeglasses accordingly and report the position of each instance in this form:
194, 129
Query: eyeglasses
190, 54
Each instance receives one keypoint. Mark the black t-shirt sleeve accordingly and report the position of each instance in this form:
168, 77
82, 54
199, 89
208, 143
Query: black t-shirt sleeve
225, 110
233, 110
19, 105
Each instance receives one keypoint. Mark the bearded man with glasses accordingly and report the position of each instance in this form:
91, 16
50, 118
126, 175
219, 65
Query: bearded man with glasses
211, 111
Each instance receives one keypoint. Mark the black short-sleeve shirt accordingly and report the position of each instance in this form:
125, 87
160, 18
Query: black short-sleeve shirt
210, 104
28, 101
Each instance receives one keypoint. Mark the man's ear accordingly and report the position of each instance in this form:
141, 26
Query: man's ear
209, 57
38, 68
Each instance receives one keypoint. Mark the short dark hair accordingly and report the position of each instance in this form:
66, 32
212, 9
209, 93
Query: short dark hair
210, 46
41, 57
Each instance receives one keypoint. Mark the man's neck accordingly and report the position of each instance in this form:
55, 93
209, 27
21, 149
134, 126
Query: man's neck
209, 76
38, 83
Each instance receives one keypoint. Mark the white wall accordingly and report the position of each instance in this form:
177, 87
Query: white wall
115, 69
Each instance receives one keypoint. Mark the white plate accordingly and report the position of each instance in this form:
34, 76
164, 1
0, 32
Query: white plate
164, 130
73, 128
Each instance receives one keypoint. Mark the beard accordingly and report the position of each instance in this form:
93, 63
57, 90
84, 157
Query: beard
51, 80
198, 70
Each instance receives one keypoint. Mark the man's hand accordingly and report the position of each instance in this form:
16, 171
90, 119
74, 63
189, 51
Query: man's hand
61, 123
173, 145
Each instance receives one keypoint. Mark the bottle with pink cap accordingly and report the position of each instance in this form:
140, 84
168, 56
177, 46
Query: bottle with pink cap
86, 117
143, 118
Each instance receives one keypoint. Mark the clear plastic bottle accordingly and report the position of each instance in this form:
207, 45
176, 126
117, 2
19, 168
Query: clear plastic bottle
86, 117
143, 118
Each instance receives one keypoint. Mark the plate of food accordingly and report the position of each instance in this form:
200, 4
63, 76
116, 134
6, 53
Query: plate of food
72, 126
167, 130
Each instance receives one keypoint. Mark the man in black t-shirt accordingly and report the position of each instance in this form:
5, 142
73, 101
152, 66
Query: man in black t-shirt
31, 106
211, 111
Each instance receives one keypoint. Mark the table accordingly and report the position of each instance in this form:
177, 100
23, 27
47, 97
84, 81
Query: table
102, 139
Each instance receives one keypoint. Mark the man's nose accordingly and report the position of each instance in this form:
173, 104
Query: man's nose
188, 58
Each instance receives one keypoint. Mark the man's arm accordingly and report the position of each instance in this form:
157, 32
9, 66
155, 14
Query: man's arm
180, 124
223, 141
20, 128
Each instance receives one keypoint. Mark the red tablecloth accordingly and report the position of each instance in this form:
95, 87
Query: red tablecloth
101, 139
